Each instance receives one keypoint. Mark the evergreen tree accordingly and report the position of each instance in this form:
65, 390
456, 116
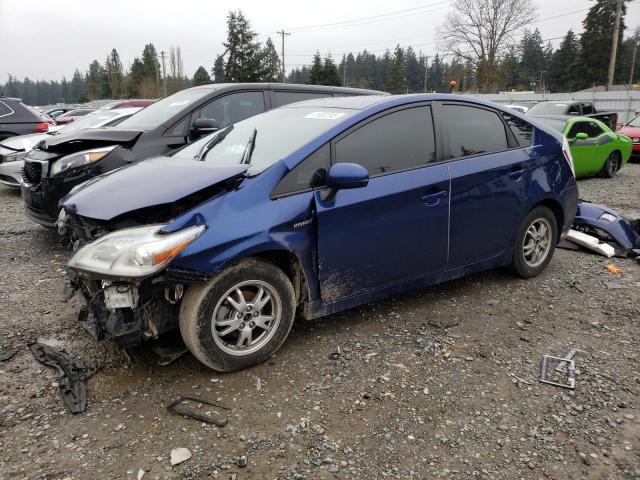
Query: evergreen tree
115, 75
150, 87
562, 67
533, 58
135, 78
414, 71
77, 86
217, 71
317, 70
330, 75
595, 43
436, 75
93, 80
242, 50
397, 81
271, 66
201, 77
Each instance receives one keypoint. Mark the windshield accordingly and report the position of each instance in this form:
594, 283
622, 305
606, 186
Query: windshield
161, 111
558, 125
262, 140
548, 108
92, 120
635, 122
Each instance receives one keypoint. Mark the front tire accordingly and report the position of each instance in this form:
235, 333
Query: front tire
240, 318
611, 165
535, 242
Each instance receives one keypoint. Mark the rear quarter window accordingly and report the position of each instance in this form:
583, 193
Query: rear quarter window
5, 110
521, 129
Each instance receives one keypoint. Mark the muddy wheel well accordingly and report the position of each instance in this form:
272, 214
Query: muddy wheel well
291, 267
557, 212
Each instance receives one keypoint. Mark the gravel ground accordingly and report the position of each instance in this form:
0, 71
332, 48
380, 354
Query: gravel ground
438, 383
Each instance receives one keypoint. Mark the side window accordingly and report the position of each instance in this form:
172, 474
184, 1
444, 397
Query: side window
473, 131
573, 110
233, 108
522, 130
5, 109
576, 128
594, 130
306, 174
179, 129
587, 109
281, 98
397, 141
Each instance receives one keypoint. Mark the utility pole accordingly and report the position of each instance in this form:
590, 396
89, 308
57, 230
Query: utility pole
164, 72
426, 72
282, 33
633, 58
614, 44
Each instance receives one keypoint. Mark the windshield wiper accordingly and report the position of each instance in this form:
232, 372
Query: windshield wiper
207, 147
248, 151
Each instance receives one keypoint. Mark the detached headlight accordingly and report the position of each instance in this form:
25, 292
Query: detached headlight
80, 158
133, 252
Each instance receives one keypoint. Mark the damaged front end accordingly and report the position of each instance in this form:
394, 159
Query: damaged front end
131, 296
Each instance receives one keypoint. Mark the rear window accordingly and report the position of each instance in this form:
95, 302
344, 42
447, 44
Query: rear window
549, 108
5, 109
281, 98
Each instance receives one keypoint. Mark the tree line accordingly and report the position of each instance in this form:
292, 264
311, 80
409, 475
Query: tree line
486, 64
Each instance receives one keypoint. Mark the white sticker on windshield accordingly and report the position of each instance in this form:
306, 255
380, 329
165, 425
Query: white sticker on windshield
179, 104
325, 115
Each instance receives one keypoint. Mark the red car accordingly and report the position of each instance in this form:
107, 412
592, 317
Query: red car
632, 130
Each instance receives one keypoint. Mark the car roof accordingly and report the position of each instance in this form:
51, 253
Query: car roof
285, 86
366, 101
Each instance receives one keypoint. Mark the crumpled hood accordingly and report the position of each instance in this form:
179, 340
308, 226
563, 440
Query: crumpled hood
147, 183
21, 143
90, 138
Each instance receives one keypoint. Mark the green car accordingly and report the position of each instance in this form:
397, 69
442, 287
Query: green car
595, 148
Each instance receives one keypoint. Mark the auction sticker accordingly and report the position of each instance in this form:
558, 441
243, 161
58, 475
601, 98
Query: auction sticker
325, 115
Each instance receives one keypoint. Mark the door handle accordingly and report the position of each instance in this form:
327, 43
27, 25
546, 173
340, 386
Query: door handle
517, 174
433, 199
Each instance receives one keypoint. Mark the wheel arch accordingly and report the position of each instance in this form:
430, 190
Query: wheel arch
556, 208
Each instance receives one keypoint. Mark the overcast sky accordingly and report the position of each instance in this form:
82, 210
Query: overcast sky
49, 39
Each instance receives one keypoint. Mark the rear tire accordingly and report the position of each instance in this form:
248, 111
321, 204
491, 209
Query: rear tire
535, 242
240, 318
611, 165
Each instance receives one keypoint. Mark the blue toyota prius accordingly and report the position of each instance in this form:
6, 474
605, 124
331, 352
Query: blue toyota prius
310, 209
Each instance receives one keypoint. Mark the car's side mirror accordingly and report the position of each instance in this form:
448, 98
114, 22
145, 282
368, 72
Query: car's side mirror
203, 126
581, 136
346, 175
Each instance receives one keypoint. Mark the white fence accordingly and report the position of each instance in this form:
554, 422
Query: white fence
625, 102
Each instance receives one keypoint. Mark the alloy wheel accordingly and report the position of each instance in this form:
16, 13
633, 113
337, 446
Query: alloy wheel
246, 317
537, 242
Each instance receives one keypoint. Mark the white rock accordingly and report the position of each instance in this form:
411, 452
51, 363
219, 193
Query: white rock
140, 474
179, 455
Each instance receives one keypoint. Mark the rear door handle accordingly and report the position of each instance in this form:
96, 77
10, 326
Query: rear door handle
517, 174
432, 199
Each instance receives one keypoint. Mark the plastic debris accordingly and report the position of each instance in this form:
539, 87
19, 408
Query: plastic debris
592, 243
179, 455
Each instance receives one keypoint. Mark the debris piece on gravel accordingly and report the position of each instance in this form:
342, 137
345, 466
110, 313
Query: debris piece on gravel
179, 455
70, 379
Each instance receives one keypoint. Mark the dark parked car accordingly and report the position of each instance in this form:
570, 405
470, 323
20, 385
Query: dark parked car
54, 168
311, 209
16, 118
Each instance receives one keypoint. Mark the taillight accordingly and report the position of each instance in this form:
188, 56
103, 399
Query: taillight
41, 128
567, 155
